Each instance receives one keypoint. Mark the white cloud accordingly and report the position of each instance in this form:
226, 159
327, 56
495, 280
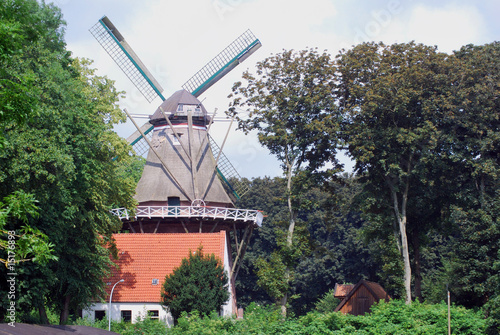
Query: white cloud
449, 27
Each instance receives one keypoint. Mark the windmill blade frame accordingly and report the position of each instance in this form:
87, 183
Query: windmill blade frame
235, 53
113, 42
137, 141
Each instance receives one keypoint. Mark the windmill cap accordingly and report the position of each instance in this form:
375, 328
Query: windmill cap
179, 104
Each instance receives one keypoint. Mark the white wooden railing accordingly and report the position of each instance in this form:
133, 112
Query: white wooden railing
204, 212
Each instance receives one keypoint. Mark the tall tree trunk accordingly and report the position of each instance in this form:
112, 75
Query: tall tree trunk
291, 228
401, 219
283, 302
42, 314
63, 318
406, 259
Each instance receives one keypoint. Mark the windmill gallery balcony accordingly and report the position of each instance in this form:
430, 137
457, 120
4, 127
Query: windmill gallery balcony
202, 212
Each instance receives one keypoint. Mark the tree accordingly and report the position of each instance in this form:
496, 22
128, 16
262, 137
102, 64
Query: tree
390, 97
267, 195
27, 244
16, 107
66, 155
290, 105
199, 284
330, 234
474, 128
23, 23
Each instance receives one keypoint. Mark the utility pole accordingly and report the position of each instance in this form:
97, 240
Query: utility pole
449, 311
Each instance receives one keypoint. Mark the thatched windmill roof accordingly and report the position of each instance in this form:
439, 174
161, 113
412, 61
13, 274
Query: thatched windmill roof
183, 145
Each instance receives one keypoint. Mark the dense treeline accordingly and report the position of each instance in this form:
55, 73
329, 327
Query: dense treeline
423, 129
341, 247
332, 242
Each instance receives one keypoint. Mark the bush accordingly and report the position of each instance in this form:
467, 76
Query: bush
394, 317
141, 326
327, 303
198, 284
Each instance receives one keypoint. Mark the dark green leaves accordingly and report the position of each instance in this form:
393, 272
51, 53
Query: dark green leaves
198, 284
290, 105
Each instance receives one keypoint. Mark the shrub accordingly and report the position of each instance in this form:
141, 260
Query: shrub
327, 303
394, 317
198, 284
141, 326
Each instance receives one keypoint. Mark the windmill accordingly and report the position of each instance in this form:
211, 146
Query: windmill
188, 184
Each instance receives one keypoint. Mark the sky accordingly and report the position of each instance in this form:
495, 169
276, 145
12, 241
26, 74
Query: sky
177, 38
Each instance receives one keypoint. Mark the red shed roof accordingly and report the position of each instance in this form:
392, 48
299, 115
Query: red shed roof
342, 290
145, 258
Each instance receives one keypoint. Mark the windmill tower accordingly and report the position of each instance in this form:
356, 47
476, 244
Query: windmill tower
188, 185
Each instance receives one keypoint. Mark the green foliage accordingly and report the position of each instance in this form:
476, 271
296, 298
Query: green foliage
413, 118
394, 317
475, 278
327, 303
58, 145
327, 247
141, 326
290, 105
132, 168
272, 276
27, 243
390, 97
199, 284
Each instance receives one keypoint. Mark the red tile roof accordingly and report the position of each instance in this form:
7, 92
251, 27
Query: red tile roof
144, 257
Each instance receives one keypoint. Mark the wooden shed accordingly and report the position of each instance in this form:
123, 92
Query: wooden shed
362, 296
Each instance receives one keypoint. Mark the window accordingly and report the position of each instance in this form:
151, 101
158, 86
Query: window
99, 315
154, 315
127, 316
174, 201
155, 281
180, 107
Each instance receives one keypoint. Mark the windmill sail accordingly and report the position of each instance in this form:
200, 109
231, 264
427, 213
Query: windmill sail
136, 140
115, 45
227, 172
113, 42
235, 53
120, 51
